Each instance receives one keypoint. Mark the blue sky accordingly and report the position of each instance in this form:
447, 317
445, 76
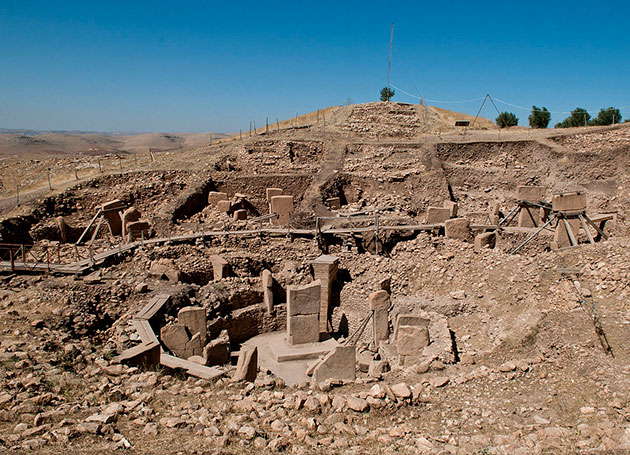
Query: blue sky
214, 66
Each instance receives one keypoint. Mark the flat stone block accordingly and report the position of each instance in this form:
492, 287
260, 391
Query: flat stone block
304, 300
340, 363
247, 364
303, 329
145, 355
531, 193
283, 206
452, 206
194, 319
271, 192
411, 340
223, 206
216, 196
220, 267
486, 239
458, 228
436, 215
116, 205
284, 352
569, 202
175, 337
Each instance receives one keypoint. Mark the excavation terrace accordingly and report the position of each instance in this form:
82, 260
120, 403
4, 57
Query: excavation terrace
362, 278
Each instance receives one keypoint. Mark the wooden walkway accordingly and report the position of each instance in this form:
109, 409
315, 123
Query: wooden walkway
83, 265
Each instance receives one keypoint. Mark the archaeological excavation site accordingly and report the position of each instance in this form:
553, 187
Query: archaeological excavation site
364, 279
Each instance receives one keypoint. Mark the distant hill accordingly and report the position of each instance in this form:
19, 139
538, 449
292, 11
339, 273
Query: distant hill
33, 142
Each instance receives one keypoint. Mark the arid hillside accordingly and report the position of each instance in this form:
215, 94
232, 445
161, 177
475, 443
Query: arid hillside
363, 279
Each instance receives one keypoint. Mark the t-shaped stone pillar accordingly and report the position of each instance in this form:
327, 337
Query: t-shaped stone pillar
303, 313
379, 303
325, 270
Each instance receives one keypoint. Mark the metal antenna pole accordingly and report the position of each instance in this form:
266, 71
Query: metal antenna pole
389, 68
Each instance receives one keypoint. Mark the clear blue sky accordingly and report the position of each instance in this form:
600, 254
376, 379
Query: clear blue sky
214, 66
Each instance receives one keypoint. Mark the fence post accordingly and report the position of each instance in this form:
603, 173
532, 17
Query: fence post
100, 169
47, 258
23, 254
11, 259
91, 255
76, 174
49, 184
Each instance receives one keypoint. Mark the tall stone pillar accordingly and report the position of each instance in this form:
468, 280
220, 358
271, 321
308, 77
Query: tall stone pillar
325, 270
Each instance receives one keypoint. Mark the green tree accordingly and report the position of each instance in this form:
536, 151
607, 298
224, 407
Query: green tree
578, 117
607, 117
386, 93
539, 118
506, 119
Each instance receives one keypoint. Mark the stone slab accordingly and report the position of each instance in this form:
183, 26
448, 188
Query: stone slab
267, 288
531, 193
216, 196
247, 365
194, 319
223, 206
485, 239
303, 329
219, 267
410, 319
283, 206
380, 300
217, 351
144, 355
458, 229
285, 352
380, 325
339, 363
436, 215
175, 337
411, 340
452, 206
569, 202
561, 236
303, 300
271, 192
529, 217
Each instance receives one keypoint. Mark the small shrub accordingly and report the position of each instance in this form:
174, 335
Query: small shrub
506, 119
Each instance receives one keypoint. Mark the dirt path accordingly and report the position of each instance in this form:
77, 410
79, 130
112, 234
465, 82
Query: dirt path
332, 164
